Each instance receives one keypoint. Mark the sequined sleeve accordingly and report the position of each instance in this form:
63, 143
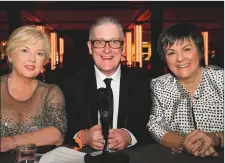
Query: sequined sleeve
54, 111
157, 123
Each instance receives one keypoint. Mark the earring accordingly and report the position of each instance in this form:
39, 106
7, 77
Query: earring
10, 68
43, 74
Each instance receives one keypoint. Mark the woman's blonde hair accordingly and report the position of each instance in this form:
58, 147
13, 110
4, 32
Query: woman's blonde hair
22, 35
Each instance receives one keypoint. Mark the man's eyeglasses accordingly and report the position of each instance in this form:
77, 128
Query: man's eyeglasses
115, 44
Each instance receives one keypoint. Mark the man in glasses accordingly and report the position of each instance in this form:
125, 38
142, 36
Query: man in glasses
131, 96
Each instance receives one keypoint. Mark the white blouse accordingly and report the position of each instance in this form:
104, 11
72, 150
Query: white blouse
174, 110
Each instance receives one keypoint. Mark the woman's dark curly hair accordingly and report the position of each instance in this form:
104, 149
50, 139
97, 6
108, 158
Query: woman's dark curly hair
180, 32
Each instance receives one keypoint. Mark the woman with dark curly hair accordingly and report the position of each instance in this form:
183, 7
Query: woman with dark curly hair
188, 103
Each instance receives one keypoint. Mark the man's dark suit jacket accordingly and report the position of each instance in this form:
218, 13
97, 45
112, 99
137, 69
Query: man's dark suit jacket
134, 103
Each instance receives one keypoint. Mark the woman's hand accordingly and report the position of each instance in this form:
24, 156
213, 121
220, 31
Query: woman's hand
6, 144
201, 143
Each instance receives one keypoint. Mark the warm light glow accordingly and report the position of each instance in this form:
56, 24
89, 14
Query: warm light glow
138, 43
27, 15
61, 49
53, 49
40, 27
3, 43
206, 47
2, 47
144, 16
149, 52
128, 50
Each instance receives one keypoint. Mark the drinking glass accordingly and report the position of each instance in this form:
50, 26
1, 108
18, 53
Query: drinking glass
26, 153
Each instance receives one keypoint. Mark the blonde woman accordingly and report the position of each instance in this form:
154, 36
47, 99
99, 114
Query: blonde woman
31, 111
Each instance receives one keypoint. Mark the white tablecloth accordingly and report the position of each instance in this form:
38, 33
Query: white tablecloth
63, 155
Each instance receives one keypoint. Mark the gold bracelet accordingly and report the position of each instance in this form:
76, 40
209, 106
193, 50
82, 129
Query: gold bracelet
14, 142
180, 146
219, 137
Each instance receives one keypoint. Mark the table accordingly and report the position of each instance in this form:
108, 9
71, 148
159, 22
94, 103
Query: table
153, 153
156, 153
10, 157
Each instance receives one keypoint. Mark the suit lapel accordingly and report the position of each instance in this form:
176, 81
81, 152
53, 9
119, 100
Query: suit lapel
124, 98
90, 96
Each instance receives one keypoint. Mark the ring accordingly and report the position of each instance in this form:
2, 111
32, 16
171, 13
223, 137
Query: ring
212, 149
200, 148
201, 141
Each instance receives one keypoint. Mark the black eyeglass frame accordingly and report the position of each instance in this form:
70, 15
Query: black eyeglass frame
107, 41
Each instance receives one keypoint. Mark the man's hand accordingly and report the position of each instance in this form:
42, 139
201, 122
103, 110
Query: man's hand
118, 139
201, 143
93, 137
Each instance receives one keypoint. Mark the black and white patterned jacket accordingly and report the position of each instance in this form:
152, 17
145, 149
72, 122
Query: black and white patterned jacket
174, 110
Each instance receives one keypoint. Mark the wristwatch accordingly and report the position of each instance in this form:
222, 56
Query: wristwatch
78, 141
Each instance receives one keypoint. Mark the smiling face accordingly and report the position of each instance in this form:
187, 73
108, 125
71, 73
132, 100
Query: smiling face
106, 59
28, 58
183, 59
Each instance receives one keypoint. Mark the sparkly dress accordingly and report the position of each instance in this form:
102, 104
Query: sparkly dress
45, 108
